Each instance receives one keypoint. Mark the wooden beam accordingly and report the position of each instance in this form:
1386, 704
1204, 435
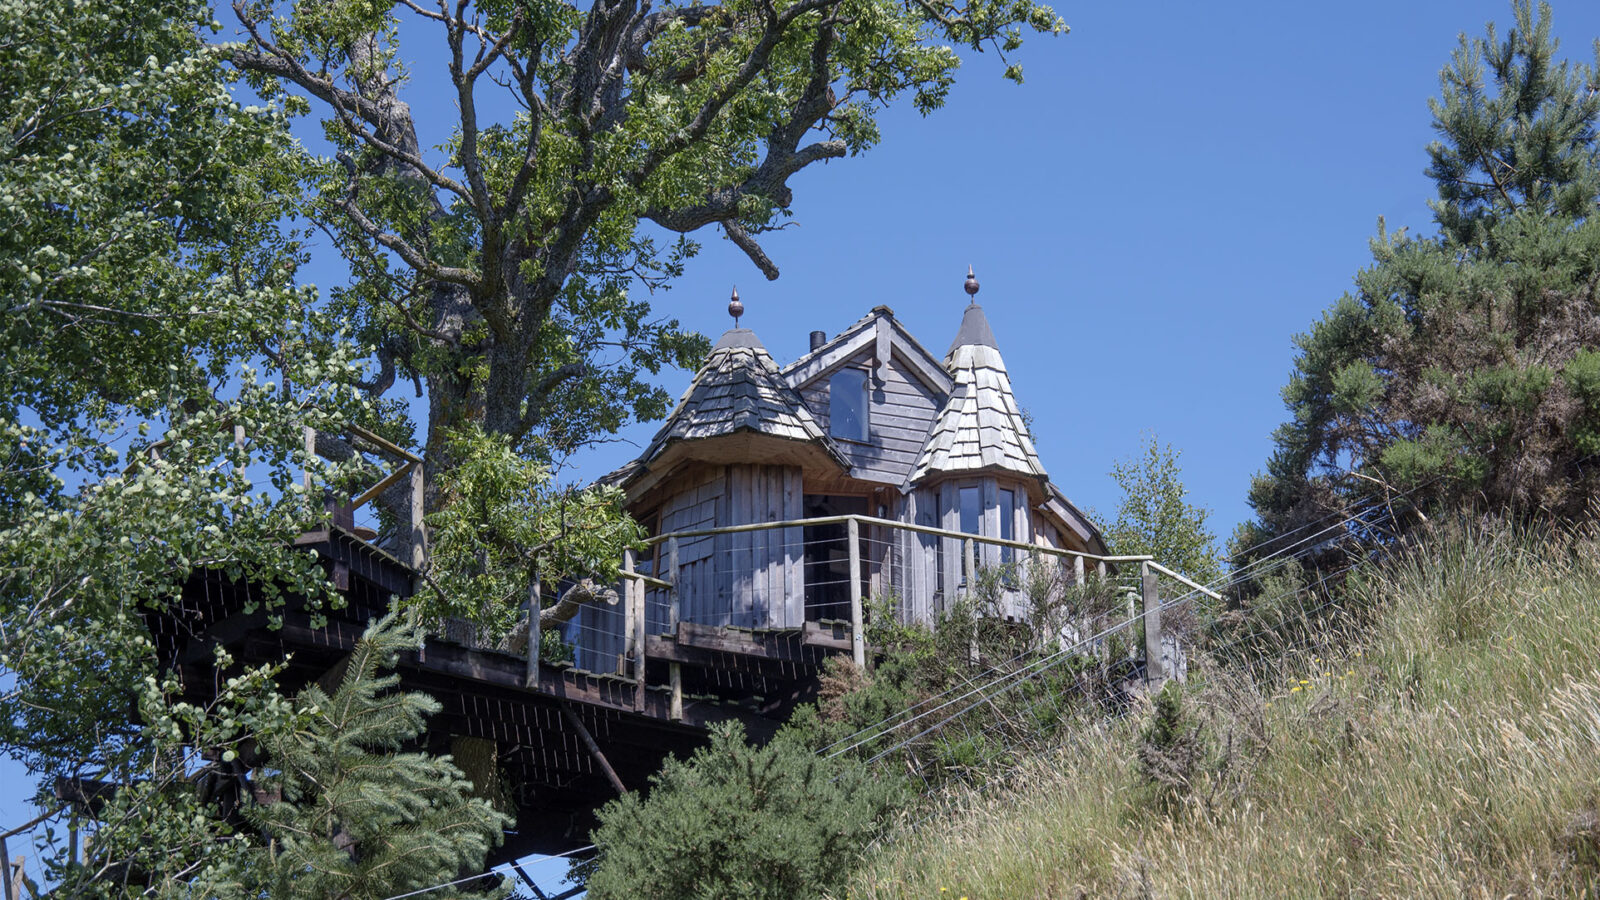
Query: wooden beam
1155, 672
858, 637
675, 712
594, 749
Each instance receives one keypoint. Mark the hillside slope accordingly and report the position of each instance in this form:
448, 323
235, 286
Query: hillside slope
1449, 748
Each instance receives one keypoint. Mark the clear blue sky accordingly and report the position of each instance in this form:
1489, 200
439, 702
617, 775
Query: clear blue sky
1176, 190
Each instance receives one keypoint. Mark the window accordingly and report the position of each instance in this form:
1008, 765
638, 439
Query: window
971, 511
847, 405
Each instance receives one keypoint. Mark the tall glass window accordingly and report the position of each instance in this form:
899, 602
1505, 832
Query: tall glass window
847, 405
971, 510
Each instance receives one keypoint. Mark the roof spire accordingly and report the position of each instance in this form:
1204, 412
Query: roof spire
971, 286
735, 308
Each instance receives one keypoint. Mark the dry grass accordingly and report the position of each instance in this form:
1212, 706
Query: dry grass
1452, 751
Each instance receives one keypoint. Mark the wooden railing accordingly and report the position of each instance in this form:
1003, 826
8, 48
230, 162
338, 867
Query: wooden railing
664, 590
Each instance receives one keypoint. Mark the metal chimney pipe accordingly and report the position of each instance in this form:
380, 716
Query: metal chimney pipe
818, 338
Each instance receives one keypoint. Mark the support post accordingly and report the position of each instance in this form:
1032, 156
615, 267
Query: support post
1077, 570
969, 558
858, 637
630, 624
1154, 671
674, 598
675, 713
5, 866
640, 641
530, 677
1100, 567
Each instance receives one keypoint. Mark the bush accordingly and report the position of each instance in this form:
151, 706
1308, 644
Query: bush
739, 822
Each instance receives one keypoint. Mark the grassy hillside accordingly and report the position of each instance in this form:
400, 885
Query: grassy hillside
1449, 747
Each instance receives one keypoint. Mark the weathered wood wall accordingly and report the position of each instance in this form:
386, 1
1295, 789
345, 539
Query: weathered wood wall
759, 581
902, 411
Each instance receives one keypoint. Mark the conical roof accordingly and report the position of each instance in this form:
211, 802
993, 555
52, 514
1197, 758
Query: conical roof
738, 389
980, 426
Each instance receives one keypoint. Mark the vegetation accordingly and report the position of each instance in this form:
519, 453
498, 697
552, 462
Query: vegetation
1439, 742
1156, 518
739, 822
1462, 370
150, 253
357, 816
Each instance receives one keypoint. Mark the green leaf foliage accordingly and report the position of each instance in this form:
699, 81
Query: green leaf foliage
148, 276
1156, 518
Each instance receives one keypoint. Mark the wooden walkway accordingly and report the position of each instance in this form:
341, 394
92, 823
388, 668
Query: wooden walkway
566, 740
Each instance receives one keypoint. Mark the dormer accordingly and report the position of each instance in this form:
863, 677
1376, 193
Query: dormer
876, 392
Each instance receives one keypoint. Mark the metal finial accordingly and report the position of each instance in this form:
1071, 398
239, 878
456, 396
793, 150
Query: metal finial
972, 285
735, 308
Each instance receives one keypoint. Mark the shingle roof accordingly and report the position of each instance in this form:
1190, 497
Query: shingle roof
980, 426
739, 388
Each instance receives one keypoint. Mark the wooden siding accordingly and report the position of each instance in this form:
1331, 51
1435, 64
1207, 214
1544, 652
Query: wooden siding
758, 572
744, 580
902, 411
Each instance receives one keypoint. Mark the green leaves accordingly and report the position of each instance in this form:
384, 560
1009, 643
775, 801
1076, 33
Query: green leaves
1156, 518
505, 524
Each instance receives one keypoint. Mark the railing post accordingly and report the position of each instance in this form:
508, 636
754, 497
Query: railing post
5, 864
1077, 570
1154, 671
630, 625
675, 674
858, 638
530, 678
673, 596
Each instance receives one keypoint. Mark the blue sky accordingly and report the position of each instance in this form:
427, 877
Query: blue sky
1175, 191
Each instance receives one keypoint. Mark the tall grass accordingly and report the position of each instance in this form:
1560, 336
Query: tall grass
1448, 747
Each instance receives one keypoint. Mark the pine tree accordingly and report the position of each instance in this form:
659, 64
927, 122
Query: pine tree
740, 823
354, 813
1462, 369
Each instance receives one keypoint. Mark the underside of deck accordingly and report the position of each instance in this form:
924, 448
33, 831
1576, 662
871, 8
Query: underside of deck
556, 730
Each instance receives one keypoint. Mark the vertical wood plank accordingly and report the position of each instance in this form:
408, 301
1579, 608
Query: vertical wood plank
673, 600
969, 558
1155, 671
858, 637
675, 676
631, 626
640, 643
793, 552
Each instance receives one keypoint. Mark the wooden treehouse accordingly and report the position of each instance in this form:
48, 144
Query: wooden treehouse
779, 501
